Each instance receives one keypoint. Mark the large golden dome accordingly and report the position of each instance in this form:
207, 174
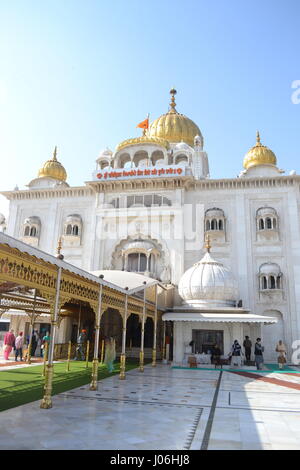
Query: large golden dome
175, 127
53, 169
259, 155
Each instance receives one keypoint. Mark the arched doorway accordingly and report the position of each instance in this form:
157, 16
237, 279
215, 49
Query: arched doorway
149, 329
111, 325
272, 334
133, 333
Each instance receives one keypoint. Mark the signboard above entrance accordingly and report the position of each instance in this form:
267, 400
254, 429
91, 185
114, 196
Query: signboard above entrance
109, 173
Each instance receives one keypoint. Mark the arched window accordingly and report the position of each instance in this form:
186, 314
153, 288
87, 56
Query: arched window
137, 262
269, 223
27, 231
72, 229
215, 221
33, 232
214, 224
264, 283
267, 219
272, 282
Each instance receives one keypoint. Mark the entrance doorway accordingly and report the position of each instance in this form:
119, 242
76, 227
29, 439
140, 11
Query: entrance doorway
204, 340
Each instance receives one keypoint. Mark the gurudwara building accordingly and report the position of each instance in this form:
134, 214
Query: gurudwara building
225, 251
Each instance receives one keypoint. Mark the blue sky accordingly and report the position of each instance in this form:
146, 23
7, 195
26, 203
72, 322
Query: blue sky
82, 74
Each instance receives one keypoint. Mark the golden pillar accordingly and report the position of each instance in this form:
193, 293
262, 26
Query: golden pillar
122, 375
45, 357
102, 351
94, 382
47, 401
164, 343
143, 331
155, 331
69, 356
87, 354
32, 320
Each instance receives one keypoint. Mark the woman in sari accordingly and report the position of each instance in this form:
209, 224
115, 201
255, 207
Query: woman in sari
9, 343
110, 354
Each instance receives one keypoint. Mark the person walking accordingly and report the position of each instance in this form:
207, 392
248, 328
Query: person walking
9, 343
281, 349
247, 346
236, 353
81, 341
258, 353
19, 342
110, 354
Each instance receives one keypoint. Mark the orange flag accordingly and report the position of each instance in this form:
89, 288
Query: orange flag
144, 124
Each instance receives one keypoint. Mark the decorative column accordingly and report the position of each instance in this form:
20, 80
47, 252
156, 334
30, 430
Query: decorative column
148, 263
126, 262
155, 331
122, 375
32, 317
79, 320
94, 382
164, 344
143, 331
46, 401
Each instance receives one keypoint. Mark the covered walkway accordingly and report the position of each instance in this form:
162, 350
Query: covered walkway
38, 283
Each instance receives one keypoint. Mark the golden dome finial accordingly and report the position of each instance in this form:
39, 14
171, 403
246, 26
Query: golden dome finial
173, 92
55, 154
258, 138
207, 244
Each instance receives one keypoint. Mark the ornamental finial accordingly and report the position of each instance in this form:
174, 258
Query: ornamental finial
173, 92
55, 154
58, 249
207, 244
258, 138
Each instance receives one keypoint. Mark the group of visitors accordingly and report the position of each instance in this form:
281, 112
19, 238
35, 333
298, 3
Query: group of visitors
17, 343
236, 353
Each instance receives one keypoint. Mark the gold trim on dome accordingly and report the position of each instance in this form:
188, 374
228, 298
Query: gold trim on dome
53, 169
144, 139
259, 155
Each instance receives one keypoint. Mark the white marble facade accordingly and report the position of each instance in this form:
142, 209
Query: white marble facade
158, 192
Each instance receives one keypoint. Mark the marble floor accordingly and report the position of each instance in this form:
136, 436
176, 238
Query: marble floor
163, 409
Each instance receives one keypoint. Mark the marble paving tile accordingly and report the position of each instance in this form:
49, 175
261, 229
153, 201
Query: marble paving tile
162, 408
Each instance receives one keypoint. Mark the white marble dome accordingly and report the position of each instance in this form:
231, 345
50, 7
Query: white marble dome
208, 284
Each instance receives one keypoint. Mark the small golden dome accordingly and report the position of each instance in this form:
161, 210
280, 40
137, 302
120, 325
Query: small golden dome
175, 127
144, 139
53, 169
259, 155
